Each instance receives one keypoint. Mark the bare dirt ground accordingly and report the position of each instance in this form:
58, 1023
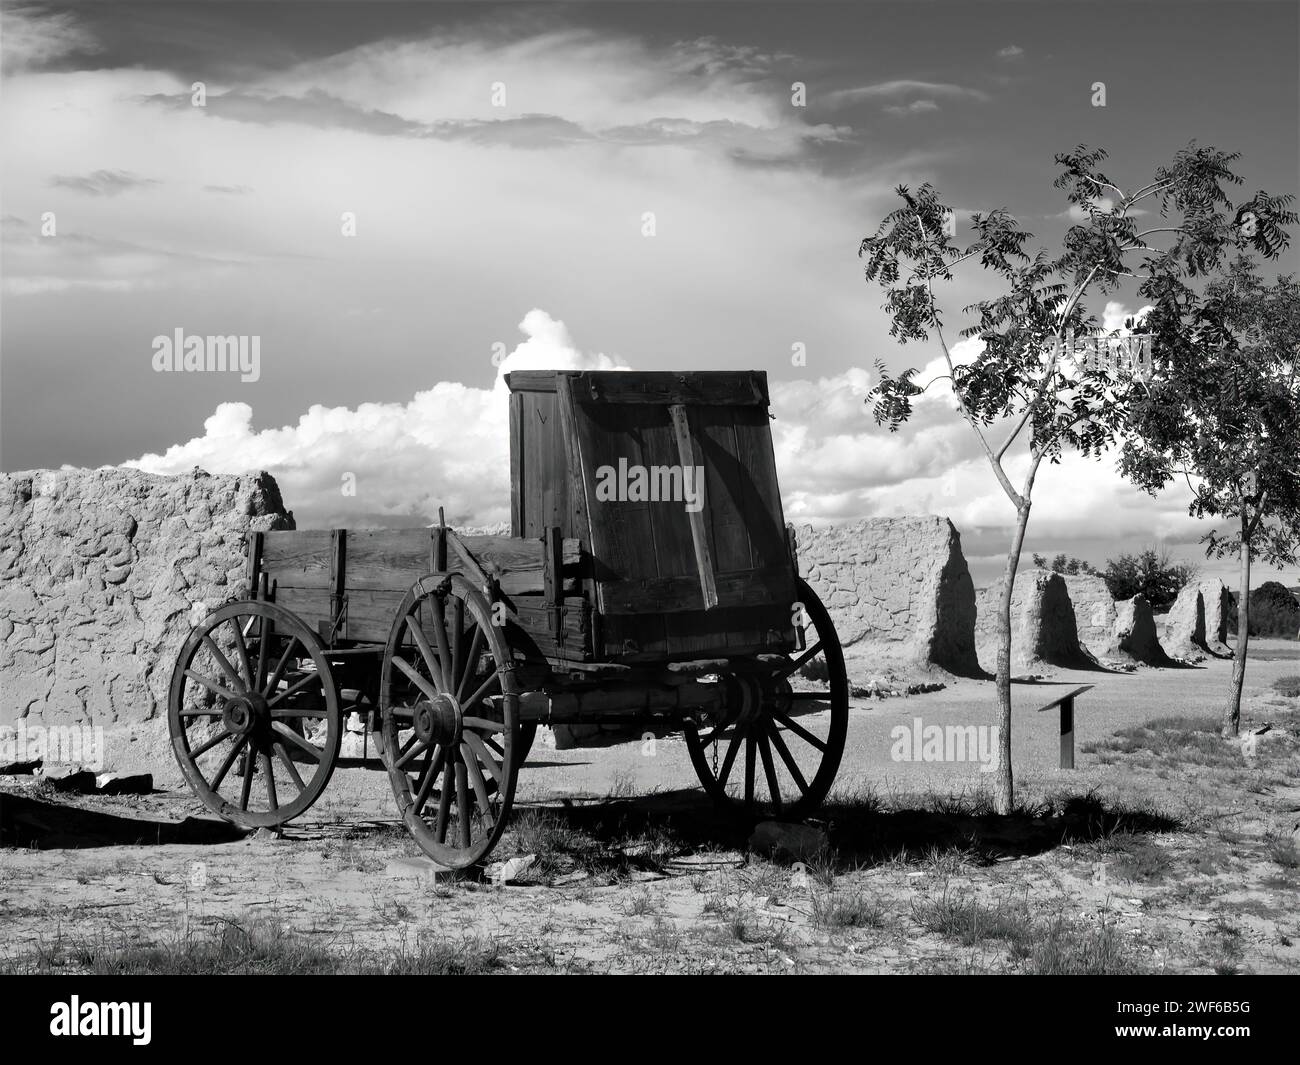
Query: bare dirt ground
1167, 849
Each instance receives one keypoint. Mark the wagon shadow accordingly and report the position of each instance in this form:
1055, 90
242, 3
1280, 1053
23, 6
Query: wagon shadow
861, 832
36, 824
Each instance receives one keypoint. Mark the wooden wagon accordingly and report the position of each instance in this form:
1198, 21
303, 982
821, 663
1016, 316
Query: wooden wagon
649, 580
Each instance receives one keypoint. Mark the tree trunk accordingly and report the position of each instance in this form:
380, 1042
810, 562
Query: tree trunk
1232, 711
1004, 798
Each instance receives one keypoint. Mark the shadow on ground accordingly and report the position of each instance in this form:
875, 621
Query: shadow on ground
862, 832
35, 823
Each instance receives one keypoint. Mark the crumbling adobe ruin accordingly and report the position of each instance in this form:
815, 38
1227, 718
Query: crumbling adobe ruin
102, 574
1197, 623
1043, 628
1121, 631
898, 590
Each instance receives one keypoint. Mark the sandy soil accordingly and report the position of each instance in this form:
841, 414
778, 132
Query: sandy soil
1166, 849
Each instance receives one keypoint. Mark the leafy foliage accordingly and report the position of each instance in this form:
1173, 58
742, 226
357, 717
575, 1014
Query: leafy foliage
1062, 564
1151, 573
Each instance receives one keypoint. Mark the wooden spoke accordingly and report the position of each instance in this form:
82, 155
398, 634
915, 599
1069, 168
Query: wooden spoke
290, 768
798, 663
729, 758
475, 646
444, 654
204, 748
430, 692
314, 753
480, 749
476, 779
416, 749
444, 802
228, 761
473, 700
483, 724
280, 667
790, 764
432, 767
457, 632
462, 804
749, 767
296, 686
769, 770
212, 686
247, 787
263, 649
223, 662
267, 771
241, 648
435, 664
798, 729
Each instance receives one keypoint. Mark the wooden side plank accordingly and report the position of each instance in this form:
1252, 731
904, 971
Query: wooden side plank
673, 595
299, 557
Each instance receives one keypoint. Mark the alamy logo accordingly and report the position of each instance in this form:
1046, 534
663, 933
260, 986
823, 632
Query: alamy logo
946, 743
102, 1018
208, 354
654, 484
83, 745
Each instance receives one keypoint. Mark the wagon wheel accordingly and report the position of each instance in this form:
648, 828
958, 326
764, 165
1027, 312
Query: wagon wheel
775, 751
254, 714
449, 704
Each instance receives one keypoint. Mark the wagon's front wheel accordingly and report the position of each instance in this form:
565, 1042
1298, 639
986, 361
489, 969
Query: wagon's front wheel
449, 707
776, 748
254, 715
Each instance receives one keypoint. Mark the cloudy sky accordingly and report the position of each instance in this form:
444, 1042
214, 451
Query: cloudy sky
403, 200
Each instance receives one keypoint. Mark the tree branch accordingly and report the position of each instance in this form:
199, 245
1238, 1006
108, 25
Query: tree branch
994, 460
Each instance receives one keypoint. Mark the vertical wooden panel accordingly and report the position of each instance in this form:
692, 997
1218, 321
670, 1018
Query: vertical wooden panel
723, 489
516, 464
763, 515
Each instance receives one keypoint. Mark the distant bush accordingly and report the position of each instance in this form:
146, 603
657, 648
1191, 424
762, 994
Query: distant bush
1274, 611
1151, 573
1061, 564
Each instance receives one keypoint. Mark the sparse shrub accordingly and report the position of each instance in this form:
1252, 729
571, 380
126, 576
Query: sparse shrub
846, 908
1288, 686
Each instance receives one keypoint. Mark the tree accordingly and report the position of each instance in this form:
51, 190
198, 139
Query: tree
1152, 574
1226, 415
1025, 377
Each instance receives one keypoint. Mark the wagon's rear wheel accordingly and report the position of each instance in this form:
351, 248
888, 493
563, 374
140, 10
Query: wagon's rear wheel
449, 706
254, 714
777, 748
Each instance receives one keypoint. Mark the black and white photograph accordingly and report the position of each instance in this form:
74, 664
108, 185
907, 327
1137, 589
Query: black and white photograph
651, 488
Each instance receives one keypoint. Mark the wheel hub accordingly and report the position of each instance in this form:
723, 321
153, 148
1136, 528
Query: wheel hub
438, 720
245, 713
